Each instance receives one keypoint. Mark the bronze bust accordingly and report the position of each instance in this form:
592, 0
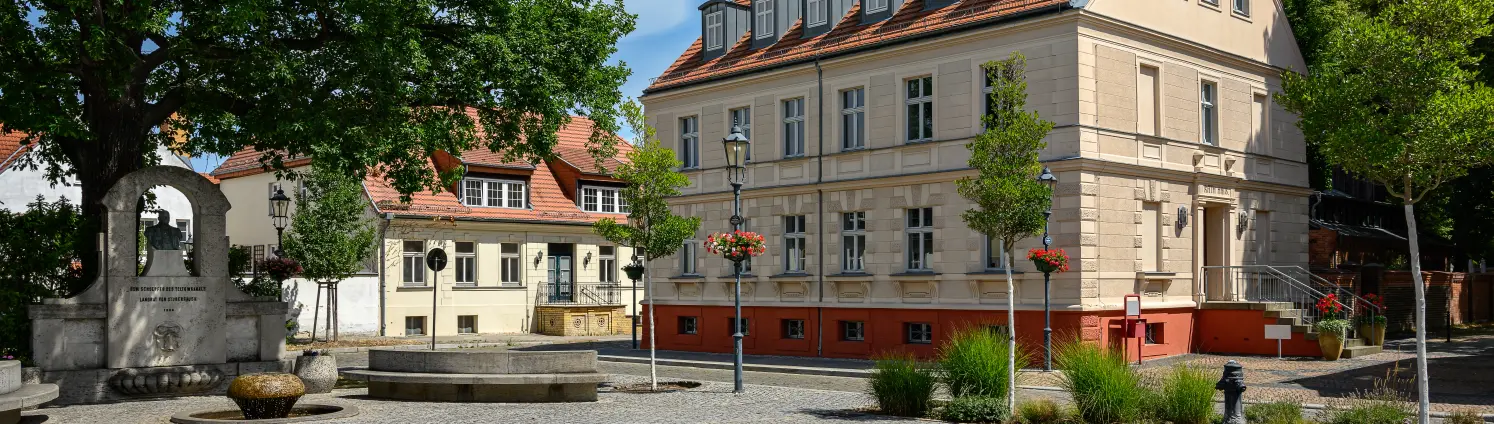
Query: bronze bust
163, 236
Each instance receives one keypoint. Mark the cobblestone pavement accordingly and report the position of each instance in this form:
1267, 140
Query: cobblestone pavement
710, 403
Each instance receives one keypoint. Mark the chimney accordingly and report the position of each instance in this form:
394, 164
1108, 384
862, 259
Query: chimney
722, 23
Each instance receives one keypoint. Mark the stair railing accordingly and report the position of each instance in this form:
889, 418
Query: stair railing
1264, 283
1359, 306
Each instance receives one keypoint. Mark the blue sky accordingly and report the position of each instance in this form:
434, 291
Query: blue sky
665, 29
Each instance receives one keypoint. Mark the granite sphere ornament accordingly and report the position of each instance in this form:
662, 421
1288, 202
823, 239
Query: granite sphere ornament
266, 395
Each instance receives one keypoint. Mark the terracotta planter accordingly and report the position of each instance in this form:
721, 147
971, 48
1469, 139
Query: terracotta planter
1332, 345
1373, 333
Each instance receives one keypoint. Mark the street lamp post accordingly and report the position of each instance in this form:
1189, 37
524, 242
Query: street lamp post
279, 204
635, 273
736, 146
1048, 180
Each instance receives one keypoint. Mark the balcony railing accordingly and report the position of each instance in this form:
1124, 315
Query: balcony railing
580, 294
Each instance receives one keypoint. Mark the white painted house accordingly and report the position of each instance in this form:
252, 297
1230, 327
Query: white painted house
22, 185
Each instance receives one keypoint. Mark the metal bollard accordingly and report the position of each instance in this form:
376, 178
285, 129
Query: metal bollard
1233, 385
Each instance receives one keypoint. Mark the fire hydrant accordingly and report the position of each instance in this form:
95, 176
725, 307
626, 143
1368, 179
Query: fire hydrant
1233, 385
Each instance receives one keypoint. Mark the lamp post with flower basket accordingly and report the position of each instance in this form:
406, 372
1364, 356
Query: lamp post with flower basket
1048, 261
738, 245
1048, 180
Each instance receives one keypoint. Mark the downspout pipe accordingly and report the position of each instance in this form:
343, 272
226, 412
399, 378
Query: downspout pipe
819, 76
383, 271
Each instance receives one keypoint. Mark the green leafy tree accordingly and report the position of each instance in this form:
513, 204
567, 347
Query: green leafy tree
36, 262
99, 86
331, 234
651, 229
1393, 96
1009, 201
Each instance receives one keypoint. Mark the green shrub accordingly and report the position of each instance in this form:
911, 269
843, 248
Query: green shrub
1044, 411
39, 249
1275, 413
975, 409
902, 386
1463, 416
1379, 406
1186, 396
1106, 390
974, 363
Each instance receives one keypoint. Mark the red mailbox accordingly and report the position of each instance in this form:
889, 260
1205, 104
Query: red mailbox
1135, 328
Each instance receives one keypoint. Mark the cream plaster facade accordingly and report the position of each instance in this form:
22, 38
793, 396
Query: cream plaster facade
1123, 183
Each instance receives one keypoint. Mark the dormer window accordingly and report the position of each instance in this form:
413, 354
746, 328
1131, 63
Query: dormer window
873, 6
764, 28
816, 13
713, 33
493, 193
603, 200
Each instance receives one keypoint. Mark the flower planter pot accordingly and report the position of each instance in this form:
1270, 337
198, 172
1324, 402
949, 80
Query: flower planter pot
1373, 333
1332, 345
317, 372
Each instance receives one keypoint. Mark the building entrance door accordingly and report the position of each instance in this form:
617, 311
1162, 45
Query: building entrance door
1215, 244
562, 286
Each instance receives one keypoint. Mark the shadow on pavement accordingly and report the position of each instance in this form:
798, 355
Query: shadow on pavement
1465, 378
845, 415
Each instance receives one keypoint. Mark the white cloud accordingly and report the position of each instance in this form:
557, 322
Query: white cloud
657, 16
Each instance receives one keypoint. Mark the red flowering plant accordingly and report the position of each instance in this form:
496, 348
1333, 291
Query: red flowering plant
1329, 308
1049, 261
736, 246
280, 269
1371, 309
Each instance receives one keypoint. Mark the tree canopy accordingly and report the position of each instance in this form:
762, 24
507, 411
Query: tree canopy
651, 177
1008, 198
331, 234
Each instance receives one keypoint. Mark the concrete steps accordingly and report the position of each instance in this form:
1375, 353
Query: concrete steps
1285, 314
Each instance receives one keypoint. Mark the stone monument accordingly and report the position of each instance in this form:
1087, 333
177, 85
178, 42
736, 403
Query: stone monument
165, 331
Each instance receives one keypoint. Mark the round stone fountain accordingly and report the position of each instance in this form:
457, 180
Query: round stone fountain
267, 398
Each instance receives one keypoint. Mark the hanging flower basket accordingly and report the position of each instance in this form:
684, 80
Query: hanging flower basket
634, 271
736, 246
280, 269
1049, 261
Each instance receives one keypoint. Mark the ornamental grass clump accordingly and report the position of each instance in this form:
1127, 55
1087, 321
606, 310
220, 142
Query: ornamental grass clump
1044, 411
1106, 390
1186, 396
902, 385
974, 362
1278, 412
1382, 405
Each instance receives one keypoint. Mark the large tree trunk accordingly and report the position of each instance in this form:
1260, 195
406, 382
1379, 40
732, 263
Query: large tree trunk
1423, 386
98, 164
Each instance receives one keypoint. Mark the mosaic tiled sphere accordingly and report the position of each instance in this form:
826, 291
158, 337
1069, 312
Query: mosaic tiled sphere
266, 395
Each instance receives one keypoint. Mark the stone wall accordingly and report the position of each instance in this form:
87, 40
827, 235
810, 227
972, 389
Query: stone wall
582, 320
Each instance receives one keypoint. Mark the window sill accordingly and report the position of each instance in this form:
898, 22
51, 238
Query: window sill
745, 275
1156, 275
915, 274
412, 288
487, 288
920, 141
850, 276
688, 277
995, 272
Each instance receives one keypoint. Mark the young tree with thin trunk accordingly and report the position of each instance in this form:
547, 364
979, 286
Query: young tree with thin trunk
652, 229
331, 234
98, 86
1393, 96
1009, 201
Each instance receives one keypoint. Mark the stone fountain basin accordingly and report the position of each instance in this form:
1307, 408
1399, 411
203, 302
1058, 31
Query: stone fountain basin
481, 375
301, 413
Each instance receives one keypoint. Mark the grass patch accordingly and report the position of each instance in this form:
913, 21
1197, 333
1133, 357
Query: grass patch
1279, 412
1463, 416
1186, 396
902, 385
974, 363
1106, 390
1379, 406
975, 409
343, 383
1044, 411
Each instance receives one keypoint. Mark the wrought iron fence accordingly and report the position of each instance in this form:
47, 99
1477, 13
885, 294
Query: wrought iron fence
599, 294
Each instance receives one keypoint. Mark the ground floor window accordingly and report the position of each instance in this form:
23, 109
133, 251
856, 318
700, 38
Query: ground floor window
732, 324
467, 324
852, 331
793, 329
1153, 333
687, 325
414, 326
920, 332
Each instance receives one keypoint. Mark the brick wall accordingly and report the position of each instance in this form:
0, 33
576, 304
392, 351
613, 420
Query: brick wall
1480, 298
1322, 244
582, 320
1400, 299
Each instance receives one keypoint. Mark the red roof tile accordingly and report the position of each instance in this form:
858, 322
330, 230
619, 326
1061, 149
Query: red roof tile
11, 148
907, 23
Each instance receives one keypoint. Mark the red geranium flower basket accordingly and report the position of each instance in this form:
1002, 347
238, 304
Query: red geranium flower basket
736, 246
1049, 261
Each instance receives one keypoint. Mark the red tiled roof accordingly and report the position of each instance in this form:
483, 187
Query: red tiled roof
550, 202
11, 148
908, 22
210, 178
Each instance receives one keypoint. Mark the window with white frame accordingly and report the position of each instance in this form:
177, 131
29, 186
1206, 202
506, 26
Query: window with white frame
1207, 94
793, 244
793, 329
853, 241
1213, 2
742, 118
690, 142
607, 263
873, 6
275, 186
989, 87
413, 264
466, 263
853, 119
853, 331
414, 326
713, 33
687, 258
508, 258
688, 325
1242, 7
920, 239
920, 332
603, 200
816, 12
467, 324
793, 127
764, 18
993, 253
920, 106
185, 226
487, 192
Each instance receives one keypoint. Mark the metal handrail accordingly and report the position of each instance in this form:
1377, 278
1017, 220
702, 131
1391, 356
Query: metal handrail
590, 293
1277, 284
1344, 293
